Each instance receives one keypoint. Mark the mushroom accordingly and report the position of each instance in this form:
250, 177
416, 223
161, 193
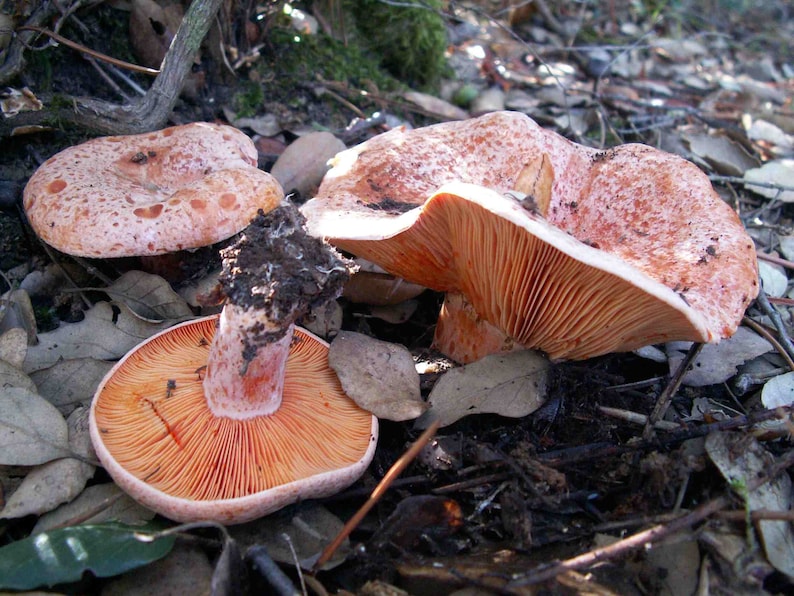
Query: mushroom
233, 416
540, 242
149, 194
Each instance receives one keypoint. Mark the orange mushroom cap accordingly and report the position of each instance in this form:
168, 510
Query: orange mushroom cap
632, 245
157, 436
148, 194
234, 416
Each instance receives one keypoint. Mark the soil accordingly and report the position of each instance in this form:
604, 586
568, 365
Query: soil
276, 267
495, 496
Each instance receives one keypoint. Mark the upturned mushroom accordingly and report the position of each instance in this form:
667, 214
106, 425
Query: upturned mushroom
179, 188
540, 242
234, 416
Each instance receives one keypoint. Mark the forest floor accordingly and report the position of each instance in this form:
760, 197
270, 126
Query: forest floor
577, 497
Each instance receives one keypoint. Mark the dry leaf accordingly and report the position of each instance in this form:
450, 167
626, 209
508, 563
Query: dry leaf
779, 172
32, 431
721, 153
16, 310
379, 376
717, 363
298, 532
305, 161
395, 314
185, 570
324, 320
773, 279
511, 385
98, 503
778, 391
14, 346
741, 459
68, 383
149, 296
152, 28
436, 106
108, 332
47, 486
11, 376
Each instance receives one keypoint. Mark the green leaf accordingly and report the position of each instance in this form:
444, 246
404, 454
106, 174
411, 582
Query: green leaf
63, 555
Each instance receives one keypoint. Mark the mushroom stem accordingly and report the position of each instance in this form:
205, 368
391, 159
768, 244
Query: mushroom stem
231, 375
464, 336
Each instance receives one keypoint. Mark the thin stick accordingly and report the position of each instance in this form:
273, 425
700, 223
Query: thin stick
767, 335
776, 260
93, 53
770, 311
667, 395
397, 469
651, 535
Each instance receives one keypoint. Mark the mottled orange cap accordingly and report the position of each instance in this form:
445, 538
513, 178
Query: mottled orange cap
148, 194
616, 249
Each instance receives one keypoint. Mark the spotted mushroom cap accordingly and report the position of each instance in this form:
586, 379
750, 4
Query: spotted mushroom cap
632, 213
147, 194
155, 434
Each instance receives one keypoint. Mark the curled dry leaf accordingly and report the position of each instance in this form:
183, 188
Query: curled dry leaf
149, 296
717, 363
741, 459
48, 485
512, 385
32, 431
16, 310
152, 28
68, 383
108, 332
379, 376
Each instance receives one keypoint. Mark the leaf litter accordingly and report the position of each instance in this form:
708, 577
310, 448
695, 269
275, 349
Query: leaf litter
711, 102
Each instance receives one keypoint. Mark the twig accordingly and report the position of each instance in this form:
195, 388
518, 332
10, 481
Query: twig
649, 536
777, 321
594, 451
660, 408
767, 335
88, 51
738, 180
397, 469
636, 418
776, 260
147, 113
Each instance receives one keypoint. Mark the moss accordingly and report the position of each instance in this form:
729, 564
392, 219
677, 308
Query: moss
409, 40
248, 99
301, 59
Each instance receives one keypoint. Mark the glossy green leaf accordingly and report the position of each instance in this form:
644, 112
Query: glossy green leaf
63, 555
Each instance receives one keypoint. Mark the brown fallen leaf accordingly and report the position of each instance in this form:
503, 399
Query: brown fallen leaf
512, 385
56, 482
32, 431
379, 376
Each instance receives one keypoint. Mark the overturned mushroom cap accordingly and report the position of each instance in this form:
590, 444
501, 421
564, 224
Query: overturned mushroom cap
628, 247
147, 194
157, 436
